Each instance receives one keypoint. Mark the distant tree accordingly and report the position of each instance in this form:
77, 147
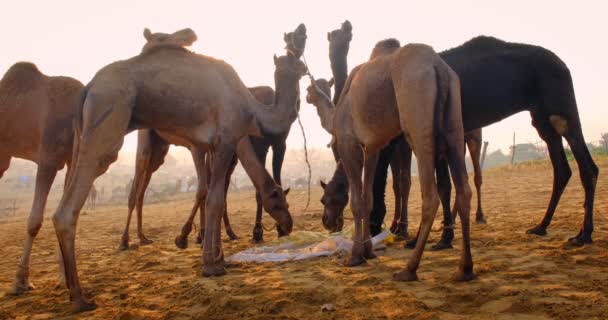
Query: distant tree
604, 141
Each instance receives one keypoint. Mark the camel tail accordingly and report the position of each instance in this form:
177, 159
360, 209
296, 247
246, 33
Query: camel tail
443, 96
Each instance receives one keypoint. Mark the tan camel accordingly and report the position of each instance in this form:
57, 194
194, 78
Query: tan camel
406, 91
36, 124
152, 147
185, 95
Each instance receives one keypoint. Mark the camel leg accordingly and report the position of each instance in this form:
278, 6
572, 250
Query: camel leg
561, 170
444, 186
45, 176
588, 172
258, 231
369, 172
198, 157
227, 225
379, 189
106, 116
202, 216
430, 202
402, 163
474, 142
353, 167
160, 148
212, 247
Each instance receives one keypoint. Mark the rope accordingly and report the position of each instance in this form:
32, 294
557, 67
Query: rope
302, 129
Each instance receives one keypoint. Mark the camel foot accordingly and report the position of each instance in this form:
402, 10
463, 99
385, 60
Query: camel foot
354, 260
399, 230
231, 235
181, 242
124, 245
538, 230
258, 234
369, 254
143, 241
442, 245
463, 276
581, 239
199, 239
411, 244
20, 287
214, 270
405, 276
82, 305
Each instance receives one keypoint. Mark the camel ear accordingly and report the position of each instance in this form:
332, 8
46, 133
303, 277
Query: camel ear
147, 34
286, 191
185, 37
346, 26
276, 60
331, 82
323, 184
329, 36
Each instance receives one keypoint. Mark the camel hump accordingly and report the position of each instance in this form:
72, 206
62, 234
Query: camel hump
21, 76
385, 47
179, 39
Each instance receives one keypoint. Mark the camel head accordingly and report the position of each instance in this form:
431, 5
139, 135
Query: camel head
319, 91
340, 38
179, 39
334, 200
275, 203
288, 68
295, 41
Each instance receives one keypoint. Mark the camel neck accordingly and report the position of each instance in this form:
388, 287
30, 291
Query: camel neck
278, 118
339, 69
326, 111
260, 177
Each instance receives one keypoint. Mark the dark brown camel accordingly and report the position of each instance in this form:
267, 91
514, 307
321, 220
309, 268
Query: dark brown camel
179, 93
36, 125
406, 91
500, 79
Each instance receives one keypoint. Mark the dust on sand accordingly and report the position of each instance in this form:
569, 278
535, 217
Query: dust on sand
519, 276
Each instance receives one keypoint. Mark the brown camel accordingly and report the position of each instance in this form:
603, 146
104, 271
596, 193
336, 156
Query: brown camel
152, 148
179, 93
151, 151
335, 195
406, 91
36, 125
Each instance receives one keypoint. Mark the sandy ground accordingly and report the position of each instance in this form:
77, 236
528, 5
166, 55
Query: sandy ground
519, 276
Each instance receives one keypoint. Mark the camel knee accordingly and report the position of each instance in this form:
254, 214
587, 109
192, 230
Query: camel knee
34, 225
64, 224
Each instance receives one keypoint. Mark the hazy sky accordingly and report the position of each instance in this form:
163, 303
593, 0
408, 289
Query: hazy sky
76, 38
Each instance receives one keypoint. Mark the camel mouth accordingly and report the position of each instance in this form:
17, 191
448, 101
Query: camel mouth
332, 225
284, 229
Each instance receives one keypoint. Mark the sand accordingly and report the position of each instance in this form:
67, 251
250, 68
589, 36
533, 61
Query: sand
518, 276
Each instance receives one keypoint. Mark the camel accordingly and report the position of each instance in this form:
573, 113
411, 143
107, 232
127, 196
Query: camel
540, 82
334, 197
152, 149
92, 199
405, 91
151, 152
339, 44
36, 124
188, 96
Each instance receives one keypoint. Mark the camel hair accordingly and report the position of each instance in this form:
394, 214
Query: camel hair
179, 93
152, 149
37, 125
405, 91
